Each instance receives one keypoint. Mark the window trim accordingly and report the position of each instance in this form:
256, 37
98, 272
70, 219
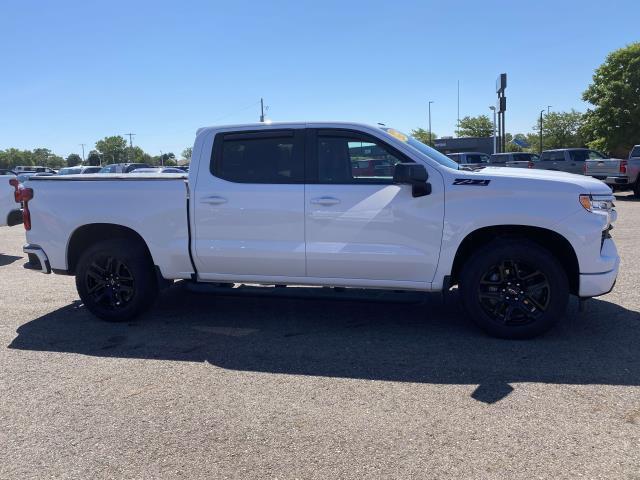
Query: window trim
296, 134
311, 156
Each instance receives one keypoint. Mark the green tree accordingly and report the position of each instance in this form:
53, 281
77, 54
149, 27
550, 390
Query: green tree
73, 159
94, 158
560, 130
113, 149
613, 125
423, 135
480, 126
186, 153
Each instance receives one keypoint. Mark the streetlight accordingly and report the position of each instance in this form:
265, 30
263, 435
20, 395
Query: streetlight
493, 108
548, 107
430, 136
541, 112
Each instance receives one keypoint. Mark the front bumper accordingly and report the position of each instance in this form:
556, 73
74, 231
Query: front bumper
595, 284
38, 260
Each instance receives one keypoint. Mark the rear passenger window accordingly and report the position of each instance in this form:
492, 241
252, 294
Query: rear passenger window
263, 157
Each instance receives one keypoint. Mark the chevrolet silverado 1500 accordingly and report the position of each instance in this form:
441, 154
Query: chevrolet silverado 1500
289, 204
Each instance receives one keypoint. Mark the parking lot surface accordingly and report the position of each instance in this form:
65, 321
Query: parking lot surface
287, 383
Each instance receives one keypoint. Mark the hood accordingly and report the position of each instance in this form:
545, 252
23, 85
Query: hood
583, 182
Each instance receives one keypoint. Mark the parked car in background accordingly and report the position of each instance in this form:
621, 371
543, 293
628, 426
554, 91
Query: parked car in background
256, 209
31, 168
4, 171
79, 170
90, 169
470, 159
569, 160
159, 170
10, 213
515, 159
618, 174
122, 167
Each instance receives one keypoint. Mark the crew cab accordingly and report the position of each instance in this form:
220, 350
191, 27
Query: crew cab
617, 173
286, 204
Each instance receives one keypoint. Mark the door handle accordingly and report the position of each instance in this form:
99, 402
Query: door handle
326, 201
214, 200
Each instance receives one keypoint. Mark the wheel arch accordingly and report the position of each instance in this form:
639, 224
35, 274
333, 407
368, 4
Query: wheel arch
87, 235
554, 242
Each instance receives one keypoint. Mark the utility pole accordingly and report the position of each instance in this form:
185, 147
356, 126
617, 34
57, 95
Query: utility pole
492, 107
458, 124
261, 110
541, 112
430, 136
131, 135
82, 145
161, 159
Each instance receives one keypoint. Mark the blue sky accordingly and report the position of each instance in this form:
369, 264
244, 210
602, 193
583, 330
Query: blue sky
74, 72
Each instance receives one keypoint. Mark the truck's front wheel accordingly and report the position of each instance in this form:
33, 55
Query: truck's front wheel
115, 280
514, 289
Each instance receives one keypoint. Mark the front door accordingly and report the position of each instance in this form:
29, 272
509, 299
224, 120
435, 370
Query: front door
249, 207
361, 226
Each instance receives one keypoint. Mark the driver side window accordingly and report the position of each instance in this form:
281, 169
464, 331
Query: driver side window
354, 159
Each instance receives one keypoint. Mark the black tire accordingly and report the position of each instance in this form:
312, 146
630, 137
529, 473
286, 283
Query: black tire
514, 288
116, 280
636, 188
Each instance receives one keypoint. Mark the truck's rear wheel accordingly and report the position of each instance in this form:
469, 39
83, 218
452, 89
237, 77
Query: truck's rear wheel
636, 188
116, 280
514, 289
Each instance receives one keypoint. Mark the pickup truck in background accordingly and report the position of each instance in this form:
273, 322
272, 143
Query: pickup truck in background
470, 159
570, 160
288, 204
10, 213
515, 159
618, 174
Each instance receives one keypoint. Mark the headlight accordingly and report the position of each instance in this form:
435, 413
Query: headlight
597, 203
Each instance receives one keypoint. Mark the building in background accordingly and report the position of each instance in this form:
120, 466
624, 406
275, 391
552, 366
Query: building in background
464, 144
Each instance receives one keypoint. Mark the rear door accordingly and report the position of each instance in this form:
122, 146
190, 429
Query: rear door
363, 227
249, 207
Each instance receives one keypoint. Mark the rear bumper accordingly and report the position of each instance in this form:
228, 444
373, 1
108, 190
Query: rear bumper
614, 180
595, 284
38, 260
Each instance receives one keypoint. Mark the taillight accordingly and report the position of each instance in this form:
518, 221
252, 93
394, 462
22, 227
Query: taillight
623, 166
16, 192
26, 195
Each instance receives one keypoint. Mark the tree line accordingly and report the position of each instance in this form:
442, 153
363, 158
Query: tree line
113, 149
611, 124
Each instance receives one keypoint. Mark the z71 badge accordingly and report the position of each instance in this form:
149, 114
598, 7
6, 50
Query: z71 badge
471, 181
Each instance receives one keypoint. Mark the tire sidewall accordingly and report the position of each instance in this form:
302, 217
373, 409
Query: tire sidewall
141, 268
531, 254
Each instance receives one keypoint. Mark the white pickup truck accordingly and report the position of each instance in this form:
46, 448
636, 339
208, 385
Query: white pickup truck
288, 204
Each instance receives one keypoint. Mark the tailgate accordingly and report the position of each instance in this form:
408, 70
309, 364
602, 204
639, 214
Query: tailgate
602, 168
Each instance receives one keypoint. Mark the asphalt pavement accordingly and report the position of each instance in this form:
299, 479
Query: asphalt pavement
310, 383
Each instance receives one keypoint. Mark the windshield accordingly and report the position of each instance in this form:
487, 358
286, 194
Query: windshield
432, 153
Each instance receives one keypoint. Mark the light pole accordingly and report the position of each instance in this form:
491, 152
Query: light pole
548, 107
493, 108
430, 136
541, 112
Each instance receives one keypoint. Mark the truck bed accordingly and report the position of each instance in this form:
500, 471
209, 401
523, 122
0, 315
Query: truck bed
152, 205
